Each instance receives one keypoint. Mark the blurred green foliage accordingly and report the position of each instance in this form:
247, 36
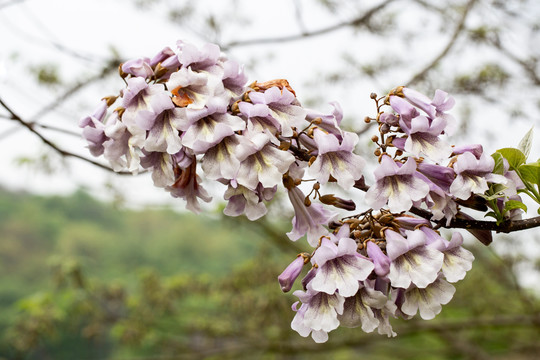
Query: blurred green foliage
84, 280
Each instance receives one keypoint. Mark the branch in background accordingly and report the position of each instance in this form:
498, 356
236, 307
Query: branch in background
361, 20
31, 128
9, 3
110, 66
459, 29
528, 66
442, 327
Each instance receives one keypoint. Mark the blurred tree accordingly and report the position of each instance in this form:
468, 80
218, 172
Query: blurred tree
484, 51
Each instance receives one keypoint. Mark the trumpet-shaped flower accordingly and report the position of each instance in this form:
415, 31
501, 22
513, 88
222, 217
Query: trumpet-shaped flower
336, 159
396, 185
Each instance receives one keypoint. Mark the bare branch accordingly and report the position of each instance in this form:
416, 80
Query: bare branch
356, 22
31, 128
528, 66
459, 29
109, 67
9, 3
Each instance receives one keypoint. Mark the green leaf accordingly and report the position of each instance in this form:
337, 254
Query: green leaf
514, 156
499, 164
526, 143
530, 172
492, 214
495, 191
514, 204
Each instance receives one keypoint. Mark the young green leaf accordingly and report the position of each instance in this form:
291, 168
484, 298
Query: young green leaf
514, 204
526, 143
515, 157
530, 172
499, 164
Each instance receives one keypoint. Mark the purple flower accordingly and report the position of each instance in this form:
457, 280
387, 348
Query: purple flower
193, 90
336, 159
358, 310
396, 185
219, 162
162, 129
380, 260
163, 55
328, 122
457, 260
138, 67
93, 129
413, 262
435, 108
441, 204
424, 139
119, 149
161, 165
234, 78
307, 219
318, 313
444, 102
204, 59
209, 130
405, 110
473, 175
476, 149
287, 278
261, 162
341, 268
187, 186
142, 101
242, 200
420, 101
428, 300
441, 176
283, 108
259, 119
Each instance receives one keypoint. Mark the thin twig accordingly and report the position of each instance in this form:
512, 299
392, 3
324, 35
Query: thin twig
9, 3
108, 68
46, 141
459, 29
356, 22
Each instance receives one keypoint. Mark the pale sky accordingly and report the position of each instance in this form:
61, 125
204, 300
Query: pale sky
31, 32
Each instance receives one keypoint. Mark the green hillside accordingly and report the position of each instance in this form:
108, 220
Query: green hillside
82, 279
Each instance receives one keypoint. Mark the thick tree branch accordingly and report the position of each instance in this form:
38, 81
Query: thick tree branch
469, 224
356, 22
504, 227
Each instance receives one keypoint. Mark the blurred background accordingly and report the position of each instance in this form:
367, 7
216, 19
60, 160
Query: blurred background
97, 265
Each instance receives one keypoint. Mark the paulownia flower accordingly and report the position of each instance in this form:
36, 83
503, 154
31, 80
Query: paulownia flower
396, 185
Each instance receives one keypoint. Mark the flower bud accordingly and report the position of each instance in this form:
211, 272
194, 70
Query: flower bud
340, 203
381, 261
309, 276
289, 275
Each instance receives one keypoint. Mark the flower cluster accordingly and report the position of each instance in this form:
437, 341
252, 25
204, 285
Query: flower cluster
189, 111
425, 170
374, 267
